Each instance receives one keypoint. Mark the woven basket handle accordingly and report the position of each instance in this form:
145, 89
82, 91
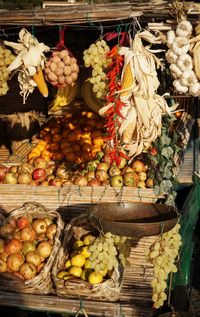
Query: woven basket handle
31, 204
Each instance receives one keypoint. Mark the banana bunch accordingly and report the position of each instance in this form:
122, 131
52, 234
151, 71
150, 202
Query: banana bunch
64, 96
89, 98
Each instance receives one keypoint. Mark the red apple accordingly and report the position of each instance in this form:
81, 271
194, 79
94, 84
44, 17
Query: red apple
13, 246
39, 174
28, 270
10, 178
40, 162
2, 244
116, 181
153, 151
33, 257
27, 234
24, 178
3, 170
44, 248
14, 261
94, 182
23, 222
51, 231
101, 175
39, 225
28, 246
3, 266
138, 166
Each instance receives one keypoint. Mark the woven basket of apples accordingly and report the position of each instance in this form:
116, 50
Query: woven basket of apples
29, 241
90, 263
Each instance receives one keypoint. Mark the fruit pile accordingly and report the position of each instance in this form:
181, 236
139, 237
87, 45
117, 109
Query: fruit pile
25, 245
93, 259
61, 69
73, 137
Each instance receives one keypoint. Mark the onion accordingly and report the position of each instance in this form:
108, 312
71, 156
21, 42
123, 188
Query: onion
3, 170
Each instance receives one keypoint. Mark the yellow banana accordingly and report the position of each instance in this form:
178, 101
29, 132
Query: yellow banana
64, 96
89, 98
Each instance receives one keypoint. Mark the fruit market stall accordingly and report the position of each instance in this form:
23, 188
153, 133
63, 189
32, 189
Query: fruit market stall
98, 107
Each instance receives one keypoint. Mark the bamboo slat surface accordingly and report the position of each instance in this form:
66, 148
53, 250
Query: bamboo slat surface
134, 299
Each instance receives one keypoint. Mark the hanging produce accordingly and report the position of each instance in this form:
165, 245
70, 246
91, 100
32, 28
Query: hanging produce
163, 254
64, 96
141, 108
96, 57
61, 69
29, 63
182, 54
6, 58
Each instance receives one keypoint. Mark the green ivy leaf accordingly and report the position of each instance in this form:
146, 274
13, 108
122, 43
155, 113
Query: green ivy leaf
167, 152
165, 139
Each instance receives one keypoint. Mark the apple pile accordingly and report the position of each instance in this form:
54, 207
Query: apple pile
25, 245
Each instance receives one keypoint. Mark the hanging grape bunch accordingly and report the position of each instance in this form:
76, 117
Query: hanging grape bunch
6, 58
96, 57
162, 254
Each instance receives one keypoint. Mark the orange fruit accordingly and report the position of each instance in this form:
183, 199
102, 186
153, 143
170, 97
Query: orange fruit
87, 156
96, 133
54, 146
65, 133
56, 137
47, 137
76, 147
70, 156
55, 130
67, 149
86, 147
98, 141
74, 136
57, 156
91, 122
64, 143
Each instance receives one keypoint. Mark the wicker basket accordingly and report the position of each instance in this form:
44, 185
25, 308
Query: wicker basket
41, 283
107, 290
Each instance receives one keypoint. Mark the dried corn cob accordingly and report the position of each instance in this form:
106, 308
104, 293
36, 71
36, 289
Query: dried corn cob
41, 84
127, 81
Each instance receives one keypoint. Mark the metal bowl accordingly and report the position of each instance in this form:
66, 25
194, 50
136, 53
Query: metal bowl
128, 211
151, 226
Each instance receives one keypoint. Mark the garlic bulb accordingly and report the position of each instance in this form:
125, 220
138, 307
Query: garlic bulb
194, 90
180, 45
185, 62
170, 38
184, 29
171, 57
188, 78
179, 87
175, 70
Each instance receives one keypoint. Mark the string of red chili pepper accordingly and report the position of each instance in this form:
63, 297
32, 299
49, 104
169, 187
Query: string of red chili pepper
114, 112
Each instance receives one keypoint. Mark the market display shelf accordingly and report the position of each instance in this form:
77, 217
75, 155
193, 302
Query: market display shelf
134, 299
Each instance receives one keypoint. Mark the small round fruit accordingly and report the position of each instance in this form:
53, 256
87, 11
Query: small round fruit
39, 225
28, 270
84, 251
85, 274
95, 278
27, 234
23, 222
67, 264
3, 266
61, 274
51, 231
13, 246
88, 239
34, 257
87, 264
14, 262
78, 260
75, 270
77, 244
6, 230
44, 248
28, 246
149, 182
138, 166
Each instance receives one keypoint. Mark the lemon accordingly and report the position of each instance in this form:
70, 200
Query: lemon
95, 278
87, 264
85, 274
75, 270
84, 251
61, 274
78, 260
67, 264
77, 244
88, 239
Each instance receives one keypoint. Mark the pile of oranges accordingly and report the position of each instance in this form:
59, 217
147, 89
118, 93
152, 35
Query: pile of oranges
76, 138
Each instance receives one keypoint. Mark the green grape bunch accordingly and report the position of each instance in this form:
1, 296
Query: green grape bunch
163, 254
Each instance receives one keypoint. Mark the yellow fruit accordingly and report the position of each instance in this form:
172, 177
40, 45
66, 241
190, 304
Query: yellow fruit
88, 239
85, 274
78, 260
67, 264
87, 264
84, 251
77, 244
95, 278
75, 270
61, 274
67, 276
